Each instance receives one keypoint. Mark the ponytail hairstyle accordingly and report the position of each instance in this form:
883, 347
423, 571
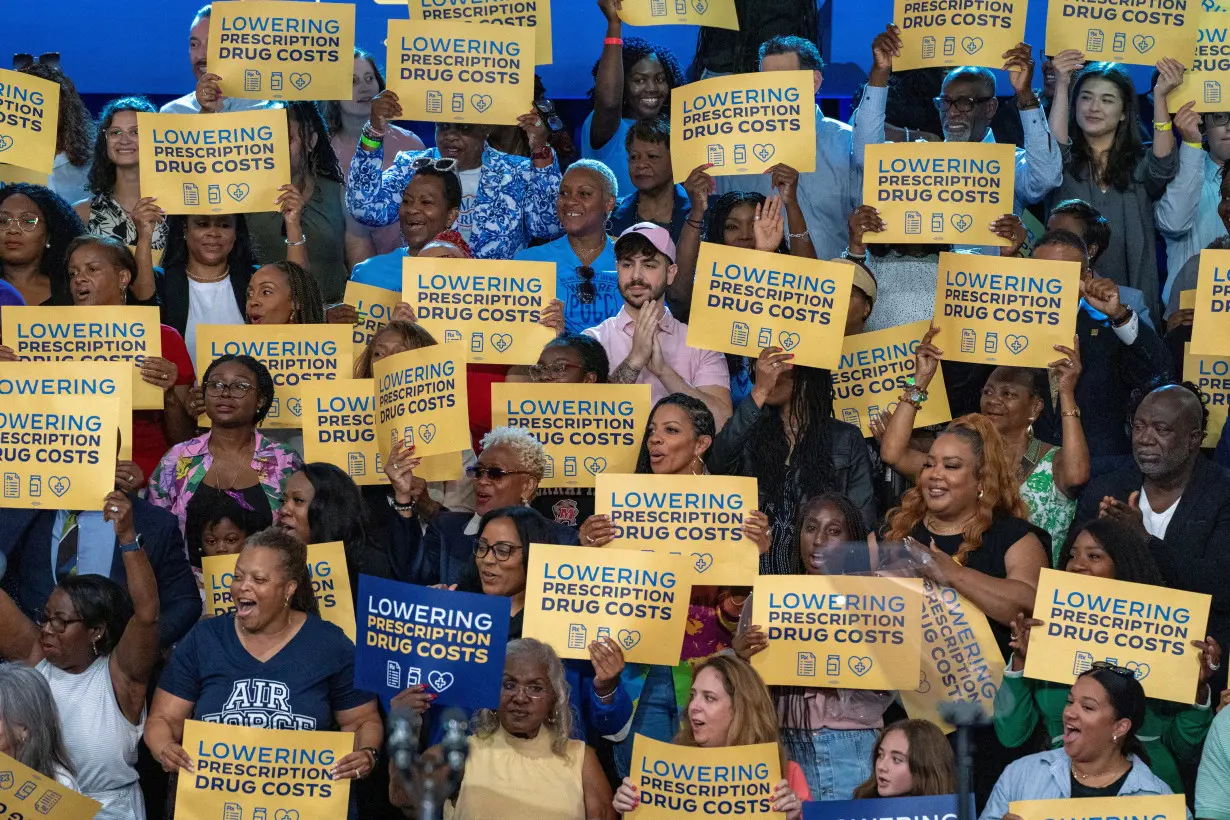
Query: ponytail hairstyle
294, 563
1127, 698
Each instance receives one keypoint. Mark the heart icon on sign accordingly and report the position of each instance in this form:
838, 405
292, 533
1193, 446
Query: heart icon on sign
440, 681
1143, 43
789, 340
481, 102
501, 341
859, 666
704, 560
59, 485
962, 222
763, 151
286, 814
972, 45
293, 405
924, 685
427, 432
595, 465
1140, 670
628, 638
238, 191
300, 80
1016, 343
6, 142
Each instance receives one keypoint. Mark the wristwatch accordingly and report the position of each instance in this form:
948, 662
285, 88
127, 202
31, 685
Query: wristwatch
137, 544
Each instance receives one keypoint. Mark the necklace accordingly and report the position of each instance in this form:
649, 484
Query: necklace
583, 252
939, 528
1097, 775
205, 281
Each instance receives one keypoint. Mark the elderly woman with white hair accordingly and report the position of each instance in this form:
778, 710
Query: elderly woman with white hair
511, 464
30, 730
585, 272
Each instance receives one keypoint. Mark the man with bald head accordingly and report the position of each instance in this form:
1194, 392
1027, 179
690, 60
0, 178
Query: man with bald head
1175, 498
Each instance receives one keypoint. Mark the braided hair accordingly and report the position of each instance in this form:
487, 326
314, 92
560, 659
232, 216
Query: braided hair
309, 305
264, 381
810, 471
102, 172
319, 160
63, 226
636, 49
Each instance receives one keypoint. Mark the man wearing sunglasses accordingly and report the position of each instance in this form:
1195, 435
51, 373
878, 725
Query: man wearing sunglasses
207, 96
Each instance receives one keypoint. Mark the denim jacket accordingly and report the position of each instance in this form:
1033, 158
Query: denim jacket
514, 204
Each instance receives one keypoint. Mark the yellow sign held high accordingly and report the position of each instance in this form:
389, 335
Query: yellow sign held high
1212, 375
29, 121
1136, 35
421, 400
375, 307
535, 14
709, 13
1208, 74
947, 39
1210, 325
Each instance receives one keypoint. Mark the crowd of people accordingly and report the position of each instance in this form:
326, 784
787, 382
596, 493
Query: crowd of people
1094, 465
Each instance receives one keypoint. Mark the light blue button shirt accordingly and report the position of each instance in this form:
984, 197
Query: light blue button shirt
1187, 214
95, 544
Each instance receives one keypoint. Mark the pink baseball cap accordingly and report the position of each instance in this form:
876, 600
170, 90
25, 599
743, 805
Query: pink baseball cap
658, 236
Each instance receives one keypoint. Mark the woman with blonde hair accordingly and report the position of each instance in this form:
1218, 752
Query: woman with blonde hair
911, 758
730, 706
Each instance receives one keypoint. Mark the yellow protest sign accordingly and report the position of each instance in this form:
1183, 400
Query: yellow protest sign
490, 306
421, 400
1004, 310
29, 119
746, 300
58, 430
1210, 328
698, 517
960, 658
837, 630
873, 371
68, 334
1187, 299
575, 595
1138, 34
461, 72
330, 582
273, 50
124, 377
587, 430
15, 173
1144, 628
294, 354
273, 773
717, 781
1208, 65
710, 13
219, 164
375, 307
949, 35
939, 192
745, 123
27, 793
1154, 807
1212, 375
535, 14
339, 427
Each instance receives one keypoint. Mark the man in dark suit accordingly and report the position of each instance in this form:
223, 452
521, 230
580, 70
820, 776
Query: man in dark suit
1176, 498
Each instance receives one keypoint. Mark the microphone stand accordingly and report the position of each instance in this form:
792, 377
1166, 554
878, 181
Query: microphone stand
966, 716
436, 779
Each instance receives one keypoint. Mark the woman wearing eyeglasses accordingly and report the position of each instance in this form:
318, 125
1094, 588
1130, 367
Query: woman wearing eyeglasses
97, 648
233, 458
584, 257
36, 227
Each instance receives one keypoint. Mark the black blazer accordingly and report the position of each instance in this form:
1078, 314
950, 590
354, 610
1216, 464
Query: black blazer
25, 538
172, 288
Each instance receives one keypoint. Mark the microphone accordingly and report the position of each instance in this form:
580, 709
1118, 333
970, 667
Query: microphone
405, 725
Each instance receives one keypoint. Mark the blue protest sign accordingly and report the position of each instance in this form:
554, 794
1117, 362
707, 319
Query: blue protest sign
451, 642
938, 807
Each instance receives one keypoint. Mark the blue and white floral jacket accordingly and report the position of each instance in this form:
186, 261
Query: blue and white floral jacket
514, 204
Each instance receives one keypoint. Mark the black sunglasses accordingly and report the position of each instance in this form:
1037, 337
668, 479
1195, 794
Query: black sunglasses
586, 292
22, 61
1114, 667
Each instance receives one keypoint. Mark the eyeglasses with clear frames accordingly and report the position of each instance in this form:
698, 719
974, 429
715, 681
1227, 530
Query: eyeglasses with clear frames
533, 691
1219, 118
118, 134
217, 389
503, 549
25, 224
546, 372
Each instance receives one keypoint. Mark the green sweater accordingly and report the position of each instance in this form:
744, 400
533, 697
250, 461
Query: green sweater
1170, 730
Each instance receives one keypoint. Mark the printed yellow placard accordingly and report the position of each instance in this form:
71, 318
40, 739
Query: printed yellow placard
58, 427
535, 14
1004, 310
711, 13
1208, 65
1154, 807
960, 658
294, 354
461, 72
490, 306
1144, 628
939, 192
219, 164
677, 782
697, 517
873, 372
68, 334
124, 377
1210, 325
330, 582
15, 173
587, 430
421, 400
746, 300
274, 773
27, 793
837, 630
939, 34
1212, 375
375, 307
1138, 34
745, 123
1187, 299
29, 118
268, 50
576, 595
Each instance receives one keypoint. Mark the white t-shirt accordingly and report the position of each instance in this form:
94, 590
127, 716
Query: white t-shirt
469, 193
1156, 523
209, 303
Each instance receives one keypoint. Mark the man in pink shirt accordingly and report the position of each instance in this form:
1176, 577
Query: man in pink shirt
649, 345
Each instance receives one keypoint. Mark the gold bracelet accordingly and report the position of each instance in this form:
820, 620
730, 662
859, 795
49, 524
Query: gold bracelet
1076, 413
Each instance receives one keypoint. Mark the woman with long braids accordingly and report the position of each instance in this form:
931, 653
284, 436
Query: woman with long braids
785, 436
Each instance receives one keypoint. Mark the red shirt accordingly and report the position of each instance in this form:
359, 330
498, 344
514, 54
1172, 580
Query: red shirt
479, 378
149, 432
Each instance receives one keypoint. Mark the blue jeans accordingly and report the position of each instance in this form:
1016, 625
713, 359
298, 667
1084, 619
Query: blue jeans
657, 716
835, 762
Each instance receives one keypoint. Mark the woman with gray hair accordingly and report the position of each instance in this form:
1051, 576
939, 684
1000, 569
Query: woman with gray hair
30, 724
509, 468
